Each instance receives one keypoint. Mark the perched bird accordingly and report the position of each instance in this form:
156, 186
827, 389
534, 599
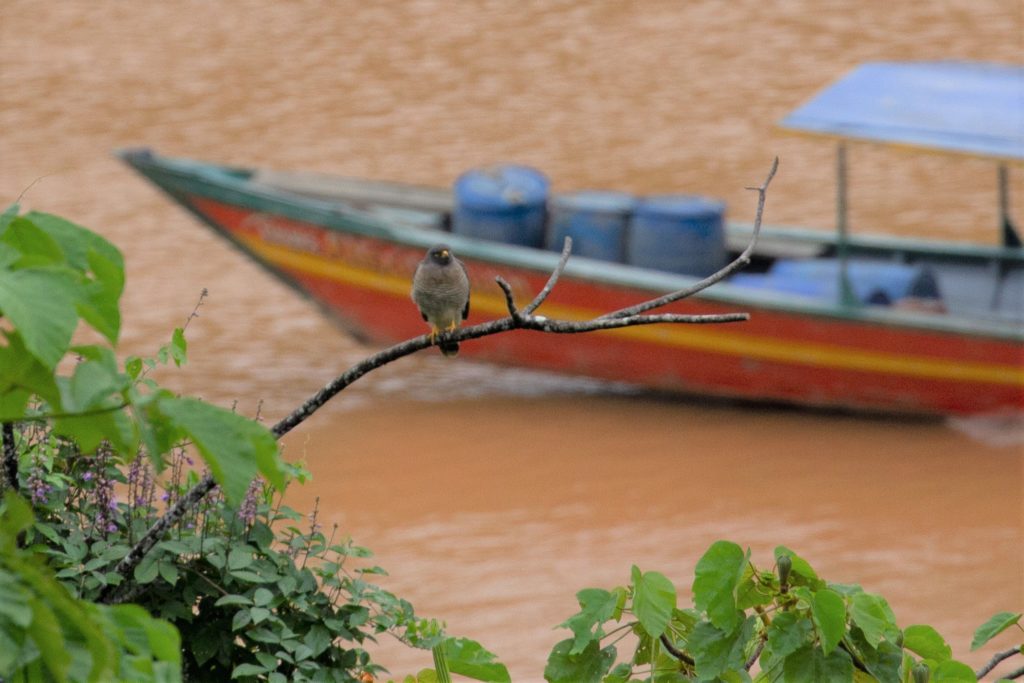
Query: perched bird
440, 289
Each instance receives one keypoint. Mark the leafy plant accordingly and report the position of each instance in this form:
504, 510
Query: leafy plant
786, 624
46, 631
55, 274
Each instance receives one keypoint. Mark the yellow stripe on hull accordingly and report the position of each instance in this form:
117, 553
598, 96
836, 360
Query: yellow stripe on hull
692, 336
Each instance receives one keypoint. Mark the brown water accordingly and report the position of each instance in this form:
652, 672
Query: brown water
493, 495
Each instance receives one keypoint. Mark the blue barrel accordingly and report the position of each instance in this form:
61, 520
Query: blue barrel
596, 220
873, 282
678, 233
506, 203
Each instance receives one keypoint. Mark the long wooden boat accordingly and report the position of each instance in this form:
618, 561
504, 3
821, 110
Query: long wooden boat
352, 246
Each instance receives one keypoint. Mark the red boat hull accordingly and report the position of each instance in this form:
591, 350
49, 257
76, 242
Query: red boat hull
778, 355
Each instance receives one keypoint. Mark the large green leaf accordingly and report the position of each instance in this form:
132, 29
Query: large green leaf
716, 651
926, 642
100, 304
829, 612
20, 370
952, 671
469, 658
993, 627
588, 666
75, 240
873, 616
788, 632
234, 447
34, 245
716, 579
809, 664
654, 599
596, 607
40, 303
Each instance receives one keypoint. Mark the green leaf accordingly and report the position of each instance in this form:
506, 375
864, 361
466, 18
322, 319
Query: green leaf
262, 597
993, 627
871, 613
829, 612
788, 632
33, 243
468, 658
179, 347
100, 304
317, 639
926, 642
46, 633
76, 241
240, 557
716, 651
809, 664
654, 599
146, 571
715, 582
168, 572
40, 303
952, 671
588, 666
247, 670
232, 446
596, 607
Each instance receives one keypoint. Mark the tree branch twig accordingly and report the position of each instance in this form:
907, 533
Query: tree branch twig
626, 317
996, 658
10, 457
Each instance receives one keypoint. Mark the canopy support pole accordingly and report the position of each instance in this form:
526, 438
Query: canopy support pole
846, 295
1010, 236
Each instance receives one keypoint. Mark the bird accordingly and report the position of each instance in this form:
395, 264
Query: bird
440, 289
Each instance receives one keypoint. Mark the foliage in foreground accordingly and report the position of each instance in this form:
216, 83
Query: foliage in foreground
245, 588
252, 595
788, 624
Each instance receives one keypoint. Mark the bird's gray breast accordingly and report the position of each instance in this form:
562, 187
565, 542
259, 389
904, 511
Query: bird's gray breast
441, 292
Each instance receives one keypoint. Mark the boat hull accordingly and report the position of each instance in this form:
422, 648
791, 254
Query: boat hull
363, 276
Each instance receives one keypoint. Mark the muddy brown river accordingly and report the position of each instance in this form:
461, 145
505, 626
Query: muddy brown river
493, 495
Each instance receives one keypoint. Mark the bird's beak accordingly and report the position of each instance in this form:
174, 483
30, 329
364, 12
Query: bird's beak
444, 253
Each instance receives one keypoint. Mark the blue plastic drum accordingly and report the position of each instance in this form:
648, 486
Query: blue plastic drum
678, 233
596, 221
506, 203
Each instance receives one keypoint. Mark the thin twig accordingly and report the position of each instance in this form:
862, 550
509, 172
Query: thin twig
510, 300
10, 457
555, 274
996, 658
1014, 674
741, 261
752, 660
675, 652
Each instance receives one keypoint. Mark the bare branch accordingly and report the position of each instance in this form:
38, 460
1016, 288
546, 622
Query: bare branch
1013, 675
555, 274
996, 658
509, 299
10, 457
676, 652
525, 319
741, 261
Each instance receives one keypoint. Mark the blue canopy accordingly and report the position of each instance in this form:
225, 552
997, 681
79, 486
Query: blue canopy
969, 108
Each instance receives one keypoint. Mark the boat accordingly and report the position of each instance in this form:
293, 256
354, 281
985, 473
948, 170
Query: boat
841, 321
